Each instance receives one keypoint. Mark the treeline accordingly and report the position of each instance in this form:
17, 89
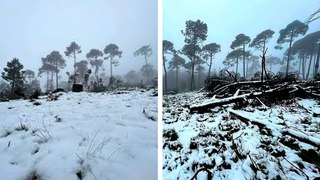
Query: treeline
23, 82
248, 58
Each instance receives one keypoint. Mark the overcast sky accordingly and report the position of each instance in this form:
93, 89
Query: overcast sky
228, 18
34, 28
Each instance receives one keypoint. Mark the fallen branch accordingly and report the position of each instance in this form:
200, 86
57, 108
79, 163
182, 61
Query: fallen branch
219, 102
302, 136
209, 176
296, 167
237, 84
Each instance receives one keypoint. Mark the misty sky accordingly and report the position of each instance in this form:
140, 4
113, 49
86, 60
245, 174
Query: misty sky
228, 18
32, 29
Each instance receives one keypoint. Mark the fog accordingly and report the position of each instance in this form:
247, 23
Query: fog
227, 19
31, 30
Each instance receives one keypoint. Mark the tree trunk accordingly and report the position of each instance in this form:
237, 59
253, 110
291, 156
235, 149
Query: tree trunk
145, 57
96, 70
247, 67
192, 76
177, 76
165, 76
57, 75
303, 65
111, 68
289, 51
51, 81
237, 69
244, 61
300, 62
199, 76
75, 69
310, 61
47, 81
210, 65
13, 83
317, 61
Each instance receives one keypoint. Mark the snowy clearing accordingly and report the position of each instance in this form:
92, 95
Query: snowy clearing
80, 136
253, 142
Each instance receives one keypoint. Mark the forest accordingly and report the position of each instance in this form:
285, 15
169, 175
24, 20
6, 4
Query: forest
258, 117
193, 66
89, 74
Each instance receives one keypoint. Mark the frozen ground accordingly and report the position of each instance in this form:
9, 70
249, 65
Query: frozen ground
80, 136
232, 149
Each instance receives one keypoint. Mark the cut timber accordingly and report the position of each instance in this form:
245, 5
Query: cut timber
237, 84
219, 102
302, 136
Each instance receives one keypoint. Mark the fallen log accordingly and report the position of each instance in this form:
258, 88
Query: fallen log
205, 106
237, 84
301, 136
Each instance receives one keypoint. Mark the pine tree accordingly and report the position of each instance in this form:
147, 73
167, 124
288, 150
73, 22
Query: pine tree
13, 74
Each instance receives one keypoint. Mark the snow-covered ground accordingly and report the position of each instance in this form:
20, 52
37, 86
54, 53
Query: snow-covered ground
232, 149
80, 136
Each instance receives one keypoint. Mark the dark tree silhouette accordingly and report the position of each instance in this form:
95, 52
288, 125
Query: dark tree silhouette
199, 69
147, 70
57, 61
71, 51
175, 64
208, 52
259, 42
240, 42
93, 57
254, 67
233, 58
29, 74
145, 51
47, 68
132, 77
167, 49
272, 60
195, 33
308, 46
82, 68
112, 52
13, 74
288, 34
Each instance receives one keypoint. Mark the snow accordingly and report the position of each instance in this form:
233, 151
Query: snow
228, 147
101, 135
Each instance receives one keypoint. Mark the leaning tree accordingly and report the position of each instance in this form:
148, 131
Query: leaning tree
167, 48
288, 34
175, 64
195, 33
145, 51
94, 57
71, 51
240, 43
208, 52
112, 52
